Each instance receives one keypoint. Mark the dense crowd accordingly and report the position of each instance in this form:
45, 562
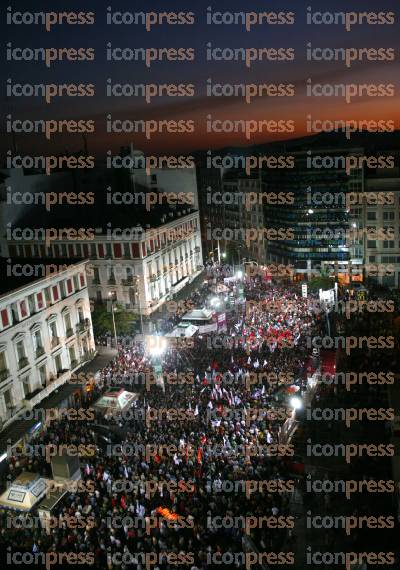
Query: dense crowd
226, 434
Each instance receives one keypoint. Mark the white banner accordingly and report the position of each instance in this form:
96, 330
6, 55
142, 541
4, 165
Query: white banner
208, 328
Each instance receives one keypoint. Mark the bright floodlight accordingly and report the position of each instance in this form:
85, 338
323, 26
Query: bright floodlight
239, 274
310, 211
223, 254
296, 403
156, 345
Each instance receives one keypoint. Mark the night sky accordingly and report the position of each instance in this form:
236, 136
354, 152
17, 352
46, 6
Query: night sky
198, 107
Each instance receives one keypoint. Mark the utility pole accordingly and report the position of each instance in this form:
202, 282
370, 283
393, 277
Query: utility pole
111, 295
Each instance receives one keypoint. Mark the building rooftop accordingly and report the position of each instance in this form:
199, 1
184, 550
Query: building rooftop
101, 216
31, 270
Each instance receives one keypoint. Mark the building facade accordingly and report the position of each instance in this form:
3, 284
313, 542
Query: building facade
140, 267
45, 335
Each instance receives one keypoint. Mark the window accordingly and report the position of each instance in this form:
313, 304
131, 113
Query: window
388, 215
39, 301
388, 244
372, 258
117, 250
101, 249
371, 244
37, 343
55, 292
5, 319
69, 286
23, 309
80, 315
21, 355
42, 375
58, 363
72, 358
3, 366
25, 385
82, 279
8, 399
68, 325
371, 215
54, 340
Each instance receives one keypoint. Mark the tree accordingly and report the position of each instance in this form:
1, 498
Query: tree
102, 320
323, 282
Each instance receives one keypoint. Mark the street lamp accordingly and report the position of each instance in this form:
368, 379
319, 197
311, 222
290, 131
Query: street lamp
111, 295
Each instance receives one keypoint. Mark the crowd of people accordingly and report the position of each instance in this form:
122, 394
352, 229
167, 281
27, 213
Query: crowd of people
226, 432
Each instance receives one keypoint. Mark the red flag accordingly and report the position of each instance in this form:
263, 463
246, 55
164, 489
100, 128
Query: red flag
199, 456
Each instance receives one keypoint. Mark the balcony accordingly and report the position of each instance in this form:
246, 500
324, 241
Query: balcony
22, 362
128, 281
111, 281
80, 327
54, 382
5, 373
39, 351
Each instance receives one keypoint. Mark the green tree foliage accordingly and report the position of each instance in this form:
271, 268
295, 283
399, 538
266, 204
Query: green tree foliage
102, 320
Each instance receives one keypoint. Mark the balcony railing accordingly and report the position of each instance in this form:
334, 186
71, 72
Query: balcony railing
5, 373
39, 351
127, 281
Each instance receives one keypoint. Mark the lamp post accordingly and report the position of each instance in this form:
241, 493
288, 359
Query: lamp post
156, 346
111, 295
137, 295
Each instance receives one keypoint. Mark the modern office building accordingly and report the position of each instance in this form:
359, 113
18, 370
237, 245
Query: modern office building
381, 210
318, 218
